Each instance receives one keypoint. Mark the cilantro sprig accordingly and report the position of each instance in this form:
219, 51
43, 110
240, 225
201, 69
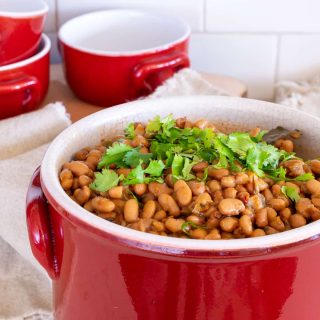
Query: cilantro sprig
291, 193
178, 150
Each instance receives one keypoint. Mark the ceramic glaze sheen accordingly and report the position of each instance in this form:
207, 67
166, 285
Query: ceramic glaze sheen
24, 84
21, 26
101, 270
107, 73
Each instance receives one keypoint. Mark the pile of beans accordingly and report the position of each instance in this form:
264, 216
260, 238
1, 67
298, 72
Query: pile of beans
229, 205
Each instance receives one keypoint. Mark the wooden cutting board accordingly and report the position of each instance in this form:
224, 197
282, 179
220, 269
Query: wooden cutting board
59, 91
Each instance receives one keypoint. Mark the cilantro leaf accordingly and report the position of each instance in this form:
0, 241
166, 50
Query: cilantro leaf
105, 180
177, 165
133, 157
259, 136
187, 167
129, 131
304, 177
240, 143
153, 125
188, 225
114, 154
135, 176
155, 168
291, 193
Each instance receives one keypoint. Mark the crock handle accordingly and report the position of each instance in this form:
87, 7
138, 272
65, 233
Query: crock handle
39, 225
29, 86
171, 63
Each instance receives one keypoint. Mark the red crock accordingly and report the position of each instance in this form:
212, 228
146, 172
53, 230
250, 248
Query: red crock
24, 84
101, 270
121, 55
21, 26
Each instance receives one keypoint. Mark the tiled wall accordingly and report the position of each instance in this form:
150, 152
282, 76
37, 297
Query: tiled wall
257, 41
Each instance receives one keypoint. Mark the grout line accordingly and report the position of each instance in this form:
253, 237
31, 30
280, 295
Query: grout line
57, 15
279, 33
277, 63
276, 78
204, 18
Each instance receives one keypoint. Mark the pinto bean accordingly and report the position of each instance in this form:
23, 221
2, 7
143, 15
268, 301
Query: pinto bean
315, 166
258, 233
82, 195
197, 187
169, 204
214, 234
297, 220
229, 224
131, 210
199, 167
66, 179
78, 168
231, 207
241, 178
261, 218
277, 224
217, 174
157, 189
313, 186
149, 209
174, 225
183, 192
214, 185
139, 189
116, 192
230, 193
277, 204
102, 204
228, 182
246, 225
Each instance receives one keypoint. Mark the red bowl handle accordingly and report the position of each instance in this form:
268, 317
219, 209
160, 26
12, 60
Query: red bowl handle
29, 86
39, 229
161, 68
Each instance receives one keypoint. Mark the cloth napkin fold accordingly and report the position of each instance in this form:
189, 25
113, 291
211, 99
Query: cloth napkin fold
25, 291
301, 95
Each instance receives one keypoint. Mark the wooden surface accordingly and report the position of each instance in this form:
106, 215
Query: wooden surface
59, 91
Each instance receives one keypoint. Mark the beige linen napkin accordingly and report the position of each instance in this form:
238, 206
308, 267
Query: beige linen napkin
24, 291
302, 95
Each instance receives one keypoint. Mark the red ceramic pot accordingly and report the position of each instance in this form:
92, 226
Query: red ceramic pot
120, 55
24, 84
21, 25
101, 270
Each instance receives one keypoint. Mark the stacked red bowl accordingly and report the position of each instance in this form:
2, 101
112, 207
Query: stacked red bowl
24, 56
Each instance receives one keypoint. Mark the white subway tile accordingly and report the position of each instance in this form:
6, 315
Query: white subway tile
263, 15
50, 25
299, 57
249, 58
191, 11
54, 53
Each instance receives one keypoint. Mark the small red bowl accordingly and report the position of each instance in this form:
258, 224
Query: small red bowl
24, 84
21, 26
115, 56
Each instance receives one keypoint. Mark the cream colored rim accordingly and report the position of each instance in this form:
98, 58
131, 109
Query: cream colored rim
50, 180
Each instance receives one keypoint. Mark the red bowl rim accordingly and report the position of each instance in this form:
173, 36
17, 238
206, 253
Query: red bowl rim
65, 42
44, 49
54, 191
26, 13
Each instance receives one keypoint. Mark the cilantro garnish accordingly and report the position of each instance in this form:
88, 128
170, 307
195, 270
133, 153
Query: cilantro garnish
180, 149
133, 157
135, 176
291, 193
155, 168
105, 180
129, 131
114, 155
